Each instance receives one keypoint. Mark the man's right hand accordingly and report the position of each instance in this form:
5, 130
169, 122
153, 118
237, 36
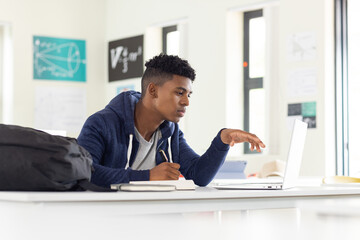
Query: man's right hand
165, 171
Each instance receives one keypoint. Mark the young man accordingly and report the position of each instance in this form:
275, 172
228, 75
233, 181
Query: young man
136, 137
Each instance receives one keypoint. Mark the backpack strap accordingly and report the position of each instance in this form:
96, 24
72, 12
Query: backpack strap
86, 185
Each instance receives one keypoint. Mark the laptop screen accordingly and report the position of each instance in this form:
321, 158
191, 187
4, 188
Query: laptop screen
295, 154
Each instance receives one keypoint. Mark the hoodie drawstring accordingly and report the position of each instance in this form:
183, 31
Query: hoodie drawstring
129, 150
169, 150
131, 136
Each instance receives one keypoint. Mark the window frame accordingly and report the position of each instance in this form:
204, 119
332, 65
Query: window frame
341, 88
249, 83
165, 32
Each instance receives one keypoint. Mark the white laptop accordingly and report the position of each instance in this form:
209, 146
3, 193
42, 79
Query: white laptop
292, 167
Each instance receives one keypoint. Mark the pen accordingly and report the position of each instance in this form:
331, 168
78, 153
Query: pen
163, 155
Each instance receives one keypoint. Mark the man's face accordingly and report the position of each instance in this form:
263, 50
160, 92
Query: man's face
173, 98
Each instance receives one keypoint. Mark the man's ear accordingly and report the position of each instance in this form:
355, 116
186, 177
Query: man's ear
152, 90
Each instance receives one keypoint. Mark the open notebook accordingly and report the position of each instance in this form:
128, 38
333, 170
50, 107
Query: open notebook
292, 167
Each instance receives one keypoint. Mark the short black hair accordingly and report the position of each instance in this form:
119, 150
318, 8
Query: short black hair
161, 68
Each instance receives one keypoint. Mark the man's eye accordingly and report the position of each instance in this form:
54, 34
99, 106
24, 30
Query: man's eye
180, 93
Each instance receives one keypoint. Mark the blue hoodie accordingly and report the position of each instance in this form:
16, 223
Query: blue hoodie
106, 135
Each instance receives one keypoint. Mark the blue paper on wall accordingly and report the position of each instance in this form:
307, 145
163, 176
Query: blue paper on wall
59, 59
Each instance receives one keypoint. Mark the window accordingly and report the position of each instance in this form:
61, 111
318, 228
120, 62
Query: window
354, 85
171, 46
6, 74
342, 159
347, 86
254, 69
171, 40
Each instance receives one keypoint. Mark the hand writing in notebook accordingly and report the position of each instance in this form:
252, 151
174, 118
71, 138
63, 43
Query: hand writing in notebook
165, 171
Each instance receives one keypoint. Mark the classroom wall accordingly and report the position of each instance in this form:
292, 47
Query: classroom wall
298, 16
205, 24
208, 50
205, 50
80, 19
1, 66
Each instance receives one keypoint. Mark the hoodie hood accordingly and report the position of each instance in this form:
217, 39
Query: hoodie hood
123, 105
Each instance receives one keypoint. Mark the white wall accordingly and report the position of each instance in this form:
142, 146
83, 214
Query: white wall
317, 17
1, 70
208, 52
207, 49
80, 19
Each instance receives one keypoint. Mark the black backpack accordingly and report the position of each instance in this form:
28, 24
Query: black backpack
32, 160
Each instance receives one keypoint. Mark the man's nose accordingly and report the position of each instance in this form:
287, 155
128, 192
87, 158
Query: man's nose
185, 100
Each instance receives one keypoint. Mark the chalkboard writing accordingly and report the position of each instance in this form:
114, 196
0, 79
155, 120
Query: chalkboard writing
126, 58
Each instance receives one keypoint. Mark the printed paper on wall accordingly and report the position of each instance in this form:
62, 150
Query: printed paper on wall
60, 108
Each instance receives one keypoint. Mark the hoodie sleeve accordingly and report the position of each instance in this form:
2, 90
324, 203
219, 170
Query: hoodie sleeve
109, 168
105, 176
202, 169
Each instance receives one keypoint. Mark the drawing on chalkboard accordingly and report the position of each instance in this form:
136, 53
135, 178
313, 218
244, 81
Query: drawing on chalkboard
126, 58
121, 55
59, 59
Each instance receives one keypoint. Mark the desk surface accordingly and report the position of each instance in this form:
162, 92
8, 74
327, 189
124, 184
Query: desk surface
205, 213
201, 193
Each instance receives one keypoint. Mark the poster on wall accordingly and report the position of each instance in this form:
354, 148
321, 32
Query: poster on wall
301, 46
60, 108
59, 59
302, 82
126, 58
305, 112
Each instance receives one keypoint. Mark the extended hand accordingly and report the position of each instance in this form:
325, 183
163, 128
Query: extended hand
165, 171
232, 136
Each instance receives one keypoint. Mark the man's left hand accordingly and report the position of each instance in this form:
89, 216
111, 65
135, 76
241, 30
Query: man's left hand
232, 136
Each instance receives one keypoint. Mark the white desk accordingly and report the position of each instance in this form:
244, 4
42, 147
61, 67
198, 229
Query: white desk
206, 213
203, 198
